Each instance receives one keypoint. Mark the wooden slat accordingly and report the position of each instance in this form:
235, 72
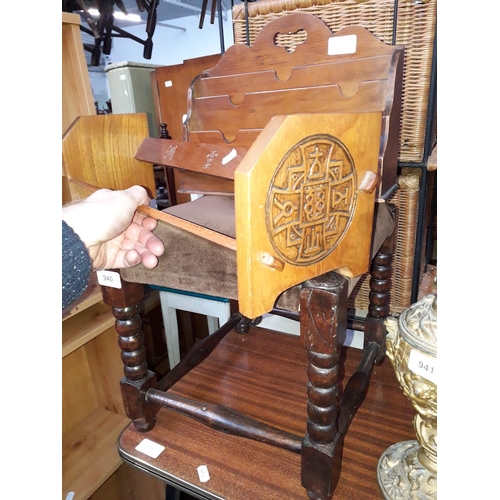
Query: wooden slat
262, 374
186, 225
218, 113
198, 183
217, 160
244, 138
343, 72
88, 324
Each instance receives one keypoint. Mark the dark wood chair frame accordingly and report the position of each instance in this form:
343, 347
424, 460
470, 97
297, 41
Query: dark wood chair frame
323, 323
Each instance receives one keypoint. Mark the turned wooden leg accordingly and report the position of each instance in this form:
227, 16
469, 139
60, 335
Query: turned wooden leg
125, 305
323, 323
378, 308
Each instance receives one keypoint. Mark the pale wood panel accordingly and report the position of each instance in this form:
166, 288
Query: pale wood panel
107, 370
261, 281
129, 483
89, 453
77, 96
100, 150
85, 326
79, 398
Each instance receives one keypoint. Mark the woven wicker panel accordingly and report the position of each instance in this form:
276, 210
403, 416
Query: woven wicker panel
406, 200
416, 21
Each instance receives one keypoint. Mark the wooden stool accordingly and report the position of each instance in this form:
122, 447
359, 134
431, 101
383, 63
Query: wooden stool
216, 309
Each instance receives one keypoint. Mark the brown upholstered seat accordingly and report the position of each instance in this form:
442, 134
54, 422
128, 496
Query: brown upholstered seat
180, 267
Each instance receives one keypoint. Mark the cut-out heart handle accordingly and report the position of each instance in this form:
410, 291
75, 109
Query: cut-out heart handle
290, 40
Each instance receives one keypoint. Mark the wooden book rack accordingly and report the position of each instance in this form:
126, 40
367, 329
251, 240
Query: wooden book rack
299, 145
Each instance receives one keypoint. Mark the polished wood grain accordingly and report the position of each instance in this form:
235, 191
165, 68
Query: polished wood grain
261, 374
100, 150
264, 241
213, 159
250, 85
170, 89
77, 97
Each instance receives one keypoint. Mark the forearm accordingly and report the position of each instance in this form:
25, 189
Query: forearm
76, 266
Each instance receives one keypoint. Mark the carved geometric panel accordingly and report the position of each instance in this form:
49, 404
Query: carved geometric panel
311, 199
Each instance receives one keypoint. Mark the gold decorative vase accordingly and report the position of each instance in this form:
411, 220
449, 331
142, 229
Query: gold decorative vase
408, 470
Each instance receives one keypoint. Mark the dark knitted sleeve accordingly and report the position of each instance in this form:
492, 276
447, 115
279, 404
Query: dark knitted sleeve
76, 266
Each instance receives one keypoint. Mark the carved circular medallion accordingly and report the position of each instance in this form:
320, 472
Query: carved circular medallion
311, 199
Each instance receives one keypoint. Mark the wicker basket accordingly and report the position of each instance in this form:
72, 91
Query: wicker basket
416, 22
406, 201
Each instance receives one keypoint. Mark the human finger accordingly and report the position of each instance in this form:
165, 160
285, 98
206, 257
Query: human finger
138, 194
145, 221
137, 233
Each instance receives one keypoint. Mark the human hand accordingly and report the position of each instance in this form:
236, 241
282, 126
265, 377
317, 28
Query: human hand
115, 234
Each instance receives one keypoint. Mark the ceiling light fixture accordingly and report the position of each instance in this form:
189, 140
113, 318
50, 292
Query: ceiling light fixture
134, 18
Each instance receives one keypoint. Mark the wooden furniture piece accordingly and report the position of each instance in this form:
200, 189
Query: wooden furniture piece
300, 147
247, 469
96, 147
77, 96
216, 309
170, 86
412, 25
92, 407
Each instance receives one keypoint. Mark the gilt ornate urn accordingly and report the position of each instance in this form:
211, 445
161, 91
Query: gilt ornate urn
408, 470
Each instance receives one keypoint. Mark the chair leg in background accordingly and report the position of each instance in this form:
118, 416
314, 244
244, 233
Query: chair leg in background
379, 297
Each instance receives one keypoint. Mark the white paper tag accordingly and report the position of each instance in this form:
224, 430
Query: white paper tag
70, 495
342, 45
109, 278
229, 156
423, 365
168, 83
203, 473
150, 448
